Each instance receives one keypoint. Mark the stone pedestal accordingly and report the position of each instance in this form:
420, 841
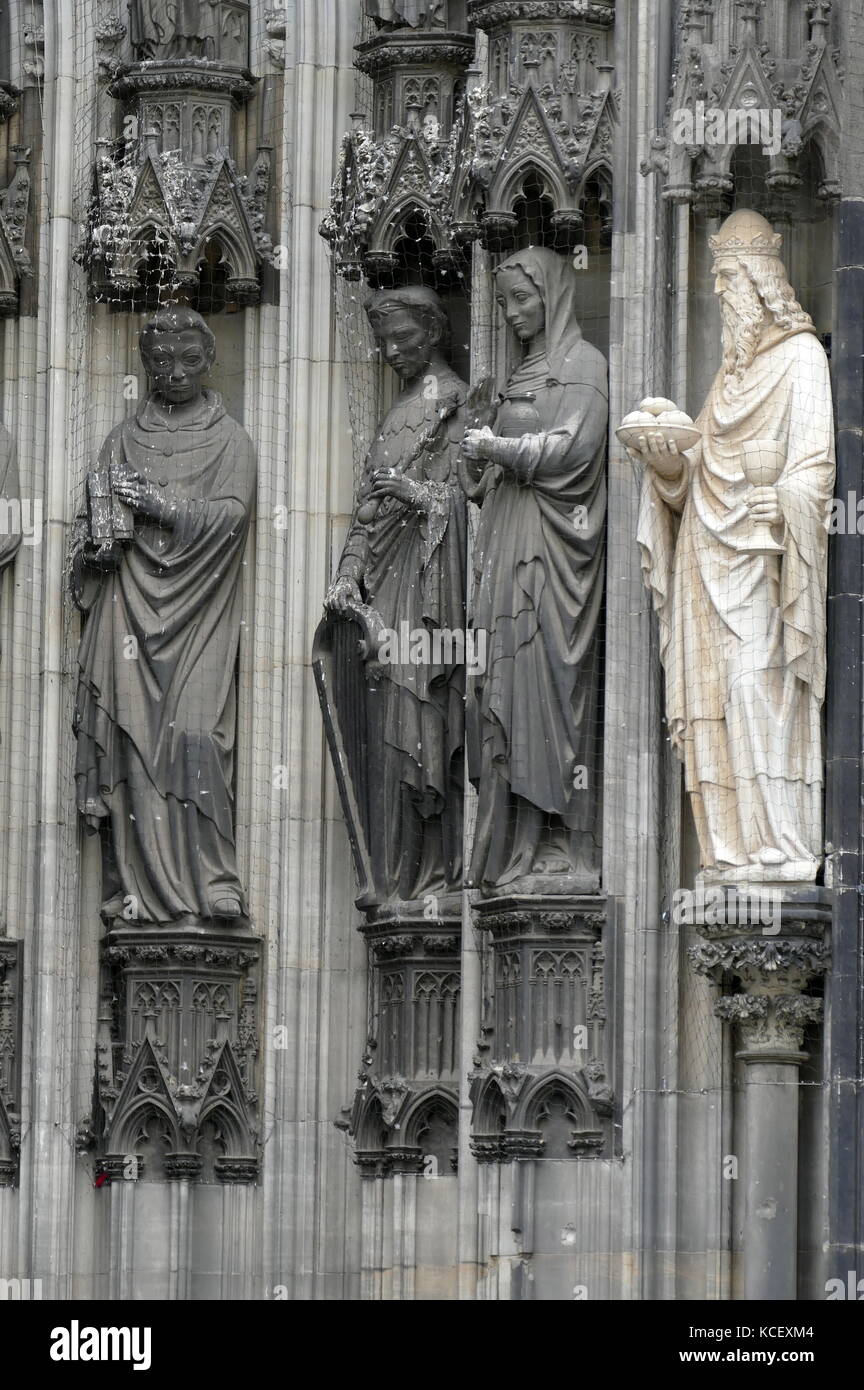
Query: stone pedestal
178, 1041
766, 948
542, 1064
405, 1108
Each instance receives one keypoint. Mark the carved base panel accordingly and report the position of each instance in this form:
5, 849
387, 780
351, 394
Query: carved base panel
10, 1059
404, 1113
541, 1085
178, 1041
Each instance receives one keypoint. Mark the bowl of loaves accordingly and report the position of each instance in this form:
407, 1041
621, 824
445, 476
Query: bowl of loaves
660, 419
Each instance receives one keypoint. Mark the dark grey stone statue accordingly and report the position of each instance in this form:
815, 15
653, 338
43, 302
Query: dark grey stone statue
399, 724
538, 562
411, 14
160, 29
157, 562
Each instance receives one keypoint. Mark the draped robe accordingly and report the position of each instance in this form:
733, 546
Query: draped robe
155, 717
410, 567
539, 567
156, 25
743, 633
413, 14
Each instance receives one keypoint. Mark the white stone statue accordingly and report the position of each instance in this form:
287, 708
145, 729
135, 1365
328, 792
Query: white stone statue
733, 536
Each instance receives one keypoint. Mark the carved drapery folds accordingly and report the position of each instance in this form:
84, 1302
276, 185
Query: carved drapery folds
10, 1059
430, 164
168, 193
543, 1059
178, 1041
160, 548
767, 89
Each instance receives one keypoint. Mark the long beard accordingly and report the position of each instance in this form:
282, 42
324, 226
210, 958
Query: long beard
742, 329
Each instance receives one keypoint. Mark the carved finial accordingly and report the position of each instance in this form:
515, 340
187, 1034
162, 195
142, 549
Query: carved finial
751, 12
819, 15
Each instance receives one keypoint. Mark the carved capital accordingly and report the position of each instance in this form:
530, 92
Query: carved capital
770, 1026
494, 14
390, 51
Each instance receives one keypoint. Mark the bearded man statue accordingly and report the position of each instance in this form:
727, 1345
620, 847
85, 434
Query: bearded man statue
742, 614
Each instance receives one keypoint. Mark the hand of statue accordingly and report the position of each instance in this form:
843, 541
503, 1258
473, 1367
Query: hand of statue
142, 497
475, 443
387, 483
342, 595
763, 504
655, 448
107, 556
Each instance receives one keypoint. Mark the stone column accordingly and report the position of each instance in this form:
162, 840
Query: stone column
773, 952
844, 1023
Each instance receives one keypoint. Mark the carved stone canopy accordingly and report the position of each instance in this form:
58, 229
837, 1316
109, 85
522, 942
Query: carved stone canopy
14, 212
174, 191
718, 95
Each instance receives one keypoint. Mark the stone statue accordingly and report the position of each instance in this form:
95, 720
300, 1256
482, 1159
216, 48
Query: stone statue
404, 561
156, 569
538, 561
160, 29
742, 615
410, 14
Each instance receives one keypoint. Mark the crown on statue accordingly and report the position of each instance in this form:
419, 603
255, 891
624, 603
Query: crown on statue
746, 233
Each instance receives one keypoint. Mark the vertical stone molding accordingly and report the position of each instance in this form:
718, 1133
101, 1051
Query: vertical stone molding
772, 954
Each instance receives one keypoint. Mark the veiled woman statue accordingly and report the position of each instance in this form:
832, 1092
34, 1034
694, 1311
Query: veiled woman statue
157, 563
539, 563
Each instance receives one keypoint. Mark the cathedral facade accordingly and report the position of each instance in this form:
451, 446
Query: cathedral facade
431, 669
